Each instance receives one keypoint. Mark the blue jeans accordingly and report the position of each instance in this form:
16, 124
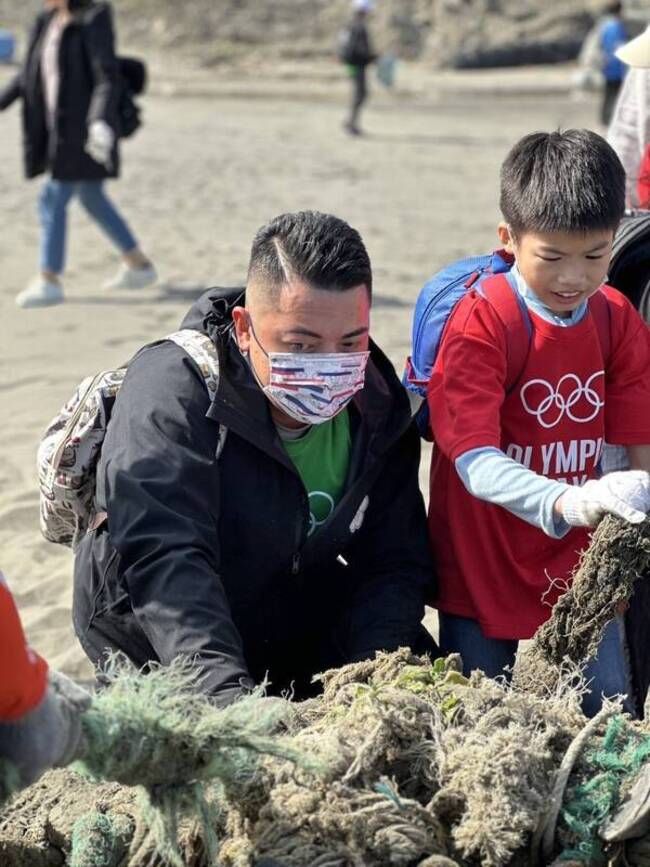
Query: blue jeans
53, 211
608, 673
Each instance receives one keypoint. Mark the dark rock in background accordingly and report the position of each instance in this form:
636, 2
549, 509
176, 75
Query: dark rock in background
443, 33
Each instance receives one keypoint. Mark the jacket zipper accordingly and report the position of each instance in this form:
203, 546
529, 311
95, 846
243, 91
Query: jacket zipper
304, 505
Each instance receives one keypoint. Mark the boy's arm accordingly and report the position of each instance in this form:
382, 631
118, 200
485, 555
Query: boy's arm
492, 476
553, 506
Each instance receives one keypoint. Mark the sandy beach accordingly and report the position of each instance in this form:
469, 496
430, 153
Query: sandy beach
213, 162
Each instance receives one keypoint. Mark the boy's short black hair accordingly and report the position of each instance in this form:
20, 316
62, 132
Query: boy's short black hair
320, 249
562, 182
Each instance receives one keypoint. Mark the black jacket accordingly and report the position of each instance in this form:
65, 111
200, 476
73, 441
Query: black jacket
211, 558
359, 51
88, 91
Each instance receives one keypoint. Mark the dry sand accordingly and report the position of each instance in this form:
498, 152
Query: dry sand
215, 160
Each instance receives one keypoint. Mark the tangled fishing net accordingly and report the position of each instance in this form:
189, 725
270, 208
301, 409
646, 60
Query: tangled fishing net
400, 762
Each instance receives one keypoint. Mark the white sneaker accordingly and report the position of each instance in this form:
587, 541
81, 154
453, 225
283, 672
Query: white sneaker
40, 293
132, 278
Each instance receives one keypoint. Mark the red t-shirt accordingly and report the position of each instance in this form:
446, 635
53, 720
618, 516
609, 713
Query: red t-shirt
23, 674
493, 566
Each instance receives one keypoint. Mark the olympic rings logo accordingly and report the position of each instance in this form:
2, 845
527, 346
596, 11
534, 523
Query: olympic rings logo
553, 404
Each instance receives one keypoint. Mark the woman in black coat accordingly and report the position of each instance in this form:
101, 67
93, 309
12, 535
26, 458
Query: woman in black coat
70, 88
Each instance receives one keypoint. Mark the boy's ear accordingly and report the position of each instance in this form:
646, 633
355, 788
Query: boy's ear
505, 237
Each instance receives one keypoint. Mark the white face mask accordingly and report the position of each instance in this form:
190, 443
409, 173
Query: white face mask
313, 388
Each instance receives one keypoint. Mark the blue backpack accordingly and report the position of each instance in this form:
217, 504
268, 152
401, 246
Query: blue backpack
433, 308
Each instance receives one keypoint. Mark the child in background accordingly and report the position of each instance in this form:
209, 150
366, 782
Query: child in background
514, 482
613, 34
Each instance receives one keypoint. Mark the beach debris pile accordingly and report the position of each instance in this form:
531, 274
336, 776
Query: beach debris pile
400, 761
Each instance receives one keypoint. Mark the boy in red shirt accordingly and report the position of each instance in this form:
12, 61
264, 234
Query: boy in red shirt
515, 481
40, 723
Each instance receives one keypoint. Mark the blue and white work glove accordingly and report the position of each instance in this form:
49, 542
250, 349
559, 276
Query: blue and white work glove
99, 145
48, 736
625, 494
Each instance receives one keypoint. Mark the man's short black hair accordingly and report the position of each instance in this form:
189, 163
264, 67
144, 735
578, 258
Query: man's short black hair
319, 249
562, 182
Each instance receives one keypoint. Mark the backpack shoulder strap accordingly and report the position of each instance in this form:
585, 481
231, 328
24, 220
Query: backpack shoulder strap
513, 313
203, 352
602, 315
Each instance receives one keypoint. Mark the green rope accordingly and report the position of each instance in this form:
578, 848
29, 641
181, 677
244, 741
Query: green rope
99, 840
158, 732
619, 757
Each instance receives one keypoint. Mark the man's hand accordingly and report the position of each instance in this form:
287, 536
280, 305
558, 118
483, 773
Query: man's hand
48, 736
625, 494
101, 139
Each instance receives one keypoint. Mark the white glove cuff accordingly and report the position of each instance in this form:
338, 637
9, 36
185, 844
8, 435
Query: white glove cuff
578, 511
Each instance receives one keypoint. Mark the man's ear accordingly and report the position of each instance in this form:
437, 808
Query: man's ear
242, 324
505, 237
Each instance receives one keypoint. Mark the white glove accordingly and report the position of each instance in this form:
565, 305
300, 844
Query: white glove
99, 144
625, 494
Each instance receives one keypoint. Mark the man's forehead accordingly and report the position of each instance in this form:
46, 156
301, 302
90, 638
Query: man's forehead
300, 299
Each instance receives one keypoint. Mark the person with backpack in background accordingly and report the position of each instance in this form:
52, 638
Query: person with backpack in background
629, 131
70, 89
357, 53
613, 34
40, 711
267, 518
538, 365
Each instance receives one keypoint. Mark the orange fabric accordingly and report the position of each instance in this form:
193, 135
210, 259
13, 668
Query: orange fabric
23, 674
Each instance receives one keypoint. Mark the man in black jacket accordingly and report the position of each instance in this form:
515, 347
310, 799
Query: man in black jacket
277, 527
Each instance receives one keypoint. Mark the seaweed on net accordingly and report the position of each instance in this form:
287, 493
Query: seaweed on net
618, 556
427, 764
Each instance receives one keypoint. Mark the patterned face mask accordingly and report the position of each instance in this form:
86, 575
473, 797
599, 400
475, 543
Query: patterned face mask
313, 388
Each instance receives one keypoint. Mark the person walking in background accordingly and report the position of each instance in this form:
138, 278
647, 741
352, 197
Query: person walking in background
70, 88
356, 51
629, 131
613, 34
